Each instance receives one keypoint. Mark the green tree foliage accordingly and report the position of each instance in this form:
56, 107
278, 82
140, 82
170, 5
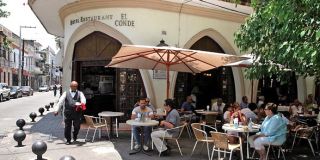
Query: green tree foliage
2, 12
282, 34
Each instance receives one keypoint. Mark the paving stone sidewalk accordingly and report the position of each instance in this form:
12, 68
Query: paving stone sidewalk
50, 130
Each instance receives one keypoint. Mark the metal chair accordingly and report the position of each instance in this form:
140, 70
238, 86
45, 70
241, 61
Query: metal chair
270, 146
305, 133
95, 123
221, 144
187, 119
201, 135
180, 128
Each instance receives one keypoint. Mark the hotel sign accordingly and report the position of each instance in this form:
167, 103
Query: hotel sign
123, 21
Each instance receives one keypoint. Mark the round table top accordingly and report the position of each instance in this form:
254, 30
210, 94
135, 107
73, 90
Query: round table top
140, 123
308, 115
241, 128
110, 114
208, 112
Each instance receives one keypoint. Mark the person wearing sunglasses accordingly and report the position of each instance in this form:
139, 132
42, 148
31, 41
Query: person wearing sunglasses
273, 131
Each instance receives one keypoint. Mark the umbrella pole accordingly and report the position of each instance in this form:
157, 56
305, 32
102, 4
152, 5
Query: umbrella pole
168, 81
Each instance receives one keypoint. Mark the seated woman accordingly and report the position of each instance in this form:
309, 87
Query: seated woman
273, 131
238, 114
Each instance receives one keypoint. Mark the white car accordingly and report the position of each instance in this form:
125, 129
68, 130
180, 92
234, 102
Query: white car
44, 88
4, 91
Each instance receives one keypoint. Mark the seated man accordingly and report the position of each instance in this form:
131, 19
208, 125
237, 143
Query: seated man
150, 105
172, 120
250, 112
273, 131
186, 106
218, 106
137, 113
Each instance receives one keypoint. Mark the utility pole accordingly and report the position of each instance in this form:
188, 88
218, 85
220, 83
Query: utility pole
22, 63
51, 76
20, 72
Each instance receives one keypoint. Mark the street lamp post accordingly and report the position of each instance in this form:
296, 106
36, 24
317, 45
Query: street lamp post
20, 55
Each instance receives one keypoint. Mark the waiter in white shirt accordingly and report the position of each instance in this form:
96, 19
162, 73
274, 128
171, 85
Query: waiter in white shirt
70, 99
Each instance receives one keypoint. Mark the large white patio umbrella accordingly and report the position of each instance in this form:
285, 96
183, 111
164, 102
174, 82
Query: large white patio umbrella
169, 59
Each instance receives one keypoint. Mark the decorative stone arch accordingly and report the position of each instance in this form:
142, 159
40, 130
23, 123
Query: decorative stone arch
86, 29
225, 45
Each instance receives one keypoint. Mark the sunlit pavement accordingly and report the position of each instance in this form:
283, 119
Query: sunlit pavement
47, 128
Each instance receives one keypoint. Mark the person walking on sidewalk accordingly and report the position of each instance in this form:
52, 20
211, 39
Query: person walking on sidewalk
72, 100
60, 90
55, 90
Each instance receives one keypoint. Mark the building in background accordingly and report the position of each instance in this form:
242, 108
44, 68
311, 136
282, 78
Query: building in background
37, 63
93, 32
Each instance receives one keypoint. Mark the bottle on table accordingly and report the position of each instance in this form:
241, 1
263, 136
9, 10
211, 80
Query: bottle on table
208, 107
236, 122
250, 124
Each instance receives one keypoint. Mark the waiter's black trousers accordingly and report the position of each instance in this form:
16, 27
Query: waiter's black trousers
72, 118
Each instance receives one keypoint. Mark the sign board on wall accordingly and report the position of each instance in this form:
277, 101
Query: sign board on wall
159, 74
122, 21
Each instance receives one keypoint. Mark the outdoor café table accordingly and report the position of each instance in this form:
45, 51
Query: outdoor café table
207, 114
241, 129
306, 116
110, 114
141, 124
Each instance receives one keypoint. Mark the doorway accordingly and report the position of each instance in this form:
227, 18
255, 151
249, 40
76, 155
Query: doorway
209, 85
100, 84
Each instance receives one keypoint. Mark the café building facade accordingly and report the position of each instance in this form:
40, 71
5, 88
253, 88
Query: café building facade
94, 30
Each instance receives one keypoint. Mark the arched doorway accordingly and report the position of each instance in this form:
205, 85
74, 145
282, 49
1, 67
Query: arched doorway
104, 88
212, 84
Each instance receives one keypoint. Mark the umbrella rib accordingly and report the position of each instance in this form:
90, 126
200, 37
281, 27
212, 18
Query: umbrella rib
199, 60
135, 54
142, 56
161, 58
185, 64
185, 56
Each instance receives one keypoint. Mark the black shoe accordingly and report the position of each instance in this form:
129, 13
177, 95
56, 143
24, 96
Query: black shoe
68, 143
165, 153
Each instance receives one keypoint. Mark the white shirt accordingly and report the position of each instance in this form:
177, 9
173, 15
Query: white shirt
217, 108
63, 98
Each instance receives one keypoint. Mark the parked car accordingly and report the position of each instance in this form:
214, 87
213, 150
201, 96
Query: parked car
27, 90
15, 92
4, 91
44, 88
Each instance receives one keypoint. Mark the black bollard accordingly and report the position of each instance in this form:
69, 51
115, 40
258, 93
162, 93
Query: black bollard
51, 104
20, 123
19, 136
47, 107
67, 157
39, 148
41, 110
33, 115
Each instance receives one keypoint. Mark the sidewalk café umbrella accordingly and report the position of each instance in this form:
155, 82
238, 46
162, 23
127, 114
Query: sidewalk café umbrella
169, 59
